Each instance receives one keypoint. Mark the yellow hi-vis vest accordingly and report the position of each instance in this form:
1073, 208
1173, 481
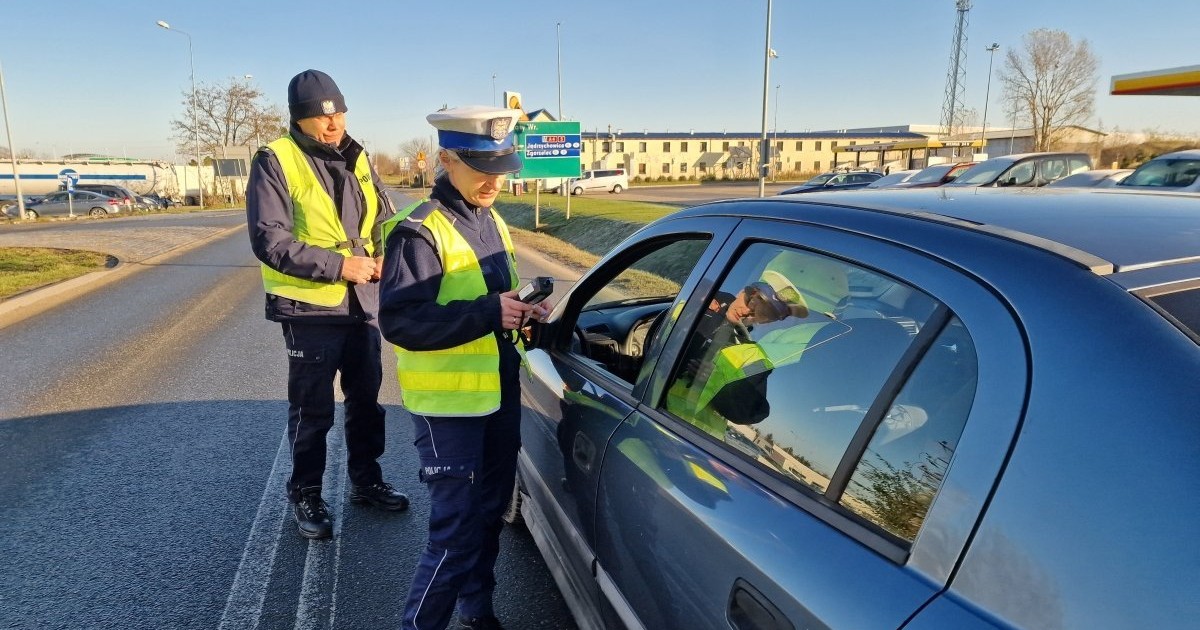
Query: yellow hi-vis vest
315, 221
463, 380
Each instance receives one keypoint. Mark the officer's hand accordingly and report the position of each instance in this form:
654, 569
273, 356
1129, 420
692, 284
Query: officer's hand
513, 312
378, 268
542, 309
358, 269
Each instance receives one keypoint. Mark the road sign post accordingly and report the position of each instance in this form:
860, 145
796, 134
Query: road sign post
69, 177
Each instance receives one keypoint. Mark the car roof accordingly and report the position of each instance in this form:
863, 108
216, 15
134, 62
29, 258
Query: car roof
1187, 154
1107, 231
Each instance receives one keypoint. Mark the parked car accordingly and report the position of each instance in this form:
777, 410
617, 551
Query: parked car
127, 197
160, 201
1100, 178
81, 202
612, 180
8, 203
835, 181
1024, 169
936, 175
892, 179
858, 411
1176, 172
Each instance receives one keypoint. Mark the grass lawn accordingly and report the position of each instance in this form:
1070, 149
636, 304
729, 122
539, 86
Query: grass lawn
596, 225
25, 268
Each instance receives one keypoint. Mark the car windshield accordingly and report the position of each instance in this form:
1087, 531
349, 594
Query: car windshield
982, 173
818, 180
1165, 174
931, 174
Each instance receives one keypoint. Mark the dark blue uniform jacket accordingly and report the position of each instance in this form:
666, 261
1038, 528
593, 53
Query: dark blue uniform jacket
269, 219
409, 315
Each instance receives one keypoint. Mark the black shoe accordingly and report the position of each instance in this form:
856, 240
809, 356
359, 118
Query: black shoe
487, 622
312, 516
380, 495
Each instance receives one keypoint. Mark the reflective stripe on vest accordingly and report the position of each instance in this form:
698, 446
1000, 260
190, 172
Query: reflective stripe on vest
315, 221
463, 380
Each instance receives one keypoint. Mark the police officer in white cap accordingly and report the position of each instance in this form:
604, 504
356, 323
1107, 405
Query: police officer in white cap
448, 302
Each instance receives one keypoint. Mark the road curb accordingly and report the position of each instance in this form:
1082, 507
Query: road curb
37, 301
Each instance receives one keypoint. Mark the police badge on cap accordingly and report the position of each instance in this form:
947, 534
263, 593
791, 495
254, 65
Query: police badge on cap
328, 108
481, 136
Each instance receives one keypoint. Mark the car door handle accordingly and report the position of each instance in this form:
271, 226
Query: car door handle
749, 609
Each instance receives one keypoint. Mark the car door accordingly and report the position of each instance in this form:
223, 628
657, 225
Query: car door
822, 494
56, 203
579, 383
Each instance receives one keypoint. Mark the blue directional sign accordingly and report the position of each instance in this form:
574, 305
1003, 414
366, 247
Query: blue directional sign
69, 177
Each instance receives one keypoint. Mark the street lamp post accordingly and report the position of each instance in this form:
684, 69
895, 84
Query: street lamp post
768, 54
987, 95
195, 124
12, 151
558, 48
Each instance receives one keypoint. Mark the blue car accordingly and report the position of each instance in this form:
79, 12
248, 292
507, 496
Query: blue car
916, 409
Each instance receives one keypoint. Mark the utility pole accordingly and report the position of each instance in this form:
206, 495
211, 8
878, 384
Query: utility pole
12, 150
764, 149
991, 50
558, 40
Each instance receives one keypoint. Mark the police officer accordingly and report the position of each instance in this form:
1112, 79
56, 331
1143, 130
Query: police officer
313, 208
448, 303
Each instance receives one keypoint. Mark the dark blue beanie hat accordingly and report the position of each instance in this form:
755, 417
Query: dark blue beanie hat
313, 93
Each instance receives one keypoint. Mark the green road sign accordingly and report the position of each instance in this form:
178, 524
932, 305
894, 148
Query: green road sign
549, 149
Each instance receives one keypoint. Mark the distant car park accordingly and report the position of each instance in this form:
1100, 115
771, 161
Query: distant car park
1175, 172
1100, 178
835, 181
81, 202
1024, 170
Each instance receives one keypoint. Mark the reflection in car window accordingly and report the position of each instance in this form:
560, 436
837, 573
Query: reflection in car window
1020, 174
788, 356
907, 457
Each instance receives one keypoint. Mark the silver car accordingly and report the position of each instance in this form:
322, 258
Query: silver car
78, 203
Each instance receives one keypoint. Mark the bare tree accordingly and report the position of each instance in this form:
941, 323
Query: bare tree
229, 114
1054, 80
409, 151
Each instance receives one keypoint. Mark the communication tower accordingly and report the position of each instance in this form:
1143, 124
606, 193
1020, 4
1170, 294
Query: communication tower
956, 76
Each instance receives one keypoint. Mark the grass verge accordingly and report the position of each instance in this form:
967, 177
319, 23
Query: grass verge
26, 268
595, 226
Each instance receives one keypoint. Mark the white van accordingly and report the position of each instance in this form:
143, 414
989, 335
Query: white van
613, 180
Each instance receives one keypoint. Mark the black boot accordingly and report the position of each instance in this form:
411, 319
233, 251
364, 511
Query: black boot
380, 495
312, 516
487, 622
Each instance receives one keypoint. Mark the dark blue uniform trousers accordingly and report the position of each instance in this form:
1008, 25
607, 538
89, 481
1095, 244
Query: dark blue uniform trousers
316, 352
469, 466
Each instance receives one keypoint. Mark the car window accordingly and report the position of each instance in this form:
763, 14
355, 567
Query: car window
1019, 175
894, 483
619, 320
982, 173
931, 174
1052, 168
1164, 173
1183, 306
1079, 165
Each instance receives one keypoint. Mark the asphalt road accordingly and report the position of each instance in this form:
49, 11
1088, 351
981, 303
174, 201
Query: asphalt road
142, 461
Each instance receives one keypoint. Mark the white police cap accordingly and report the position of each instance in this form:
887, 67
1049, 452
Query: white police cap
482, 136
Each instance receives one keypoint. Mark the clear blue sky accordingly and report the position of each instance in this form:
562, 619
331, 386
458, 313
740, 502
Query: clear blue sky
101, 77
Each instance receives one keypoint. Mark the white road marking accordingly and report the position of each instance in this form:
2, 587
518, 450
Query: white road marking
317, 573
244, 606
